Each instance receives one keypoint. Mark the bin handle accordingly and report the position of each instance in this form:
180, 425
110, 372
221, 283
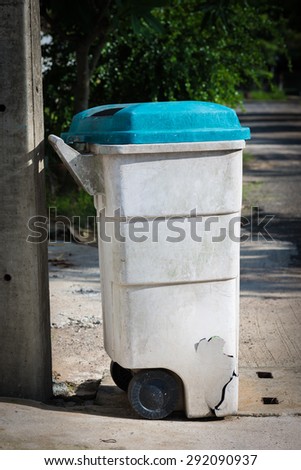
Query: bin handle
85, 168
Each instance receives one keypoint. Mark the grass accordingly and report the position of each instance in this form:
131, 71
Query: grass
261, 95
251, 194
247, 159
77, 204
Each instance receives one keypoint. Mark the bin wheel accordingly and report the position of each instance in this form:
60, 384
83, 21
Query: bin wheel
153, 394
121, 376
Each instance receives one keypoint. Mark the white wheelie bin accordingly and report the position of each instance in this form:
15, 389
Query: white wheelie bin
167, 182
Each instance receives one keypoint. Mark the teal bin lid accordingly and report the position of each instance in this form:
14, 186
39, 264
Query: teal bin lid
158, 122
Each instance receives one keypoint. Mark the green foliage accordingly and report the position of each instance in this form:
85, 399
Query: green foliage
194, 49
273, 94
210, 50
210, 56
58, 76
76, 203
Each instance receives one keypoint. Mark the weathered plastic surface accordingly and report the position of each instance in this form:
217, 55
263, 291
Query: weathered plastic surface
188, 328
172, 303
163, 301
169, 180
160, 122
84, 168
182, 249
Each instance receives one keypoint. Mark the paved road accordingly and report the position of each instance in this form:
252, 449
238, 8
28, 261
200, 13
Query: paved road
271, 268
270, 329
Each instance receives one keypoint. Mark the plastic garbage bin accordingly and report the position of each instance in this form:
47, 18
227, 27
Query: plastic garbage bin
167, 183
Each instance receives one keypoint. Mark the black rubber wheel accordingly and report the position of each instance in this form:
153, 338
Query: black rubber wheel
153, 394
121, 376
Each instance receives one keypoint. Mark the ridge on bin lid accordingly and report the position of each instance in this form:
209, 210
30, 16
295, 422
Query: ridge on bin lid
156, 122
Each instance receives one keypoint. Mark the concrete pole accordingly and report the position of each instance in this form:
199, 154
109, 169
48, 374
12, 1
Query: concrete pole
25, 353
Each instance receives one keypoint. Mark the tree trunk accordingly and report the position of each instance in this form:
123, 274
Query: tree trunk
82, 87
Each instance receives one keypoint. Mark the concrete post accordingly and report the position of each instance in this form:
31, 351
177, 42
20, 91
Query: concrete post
25, 353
